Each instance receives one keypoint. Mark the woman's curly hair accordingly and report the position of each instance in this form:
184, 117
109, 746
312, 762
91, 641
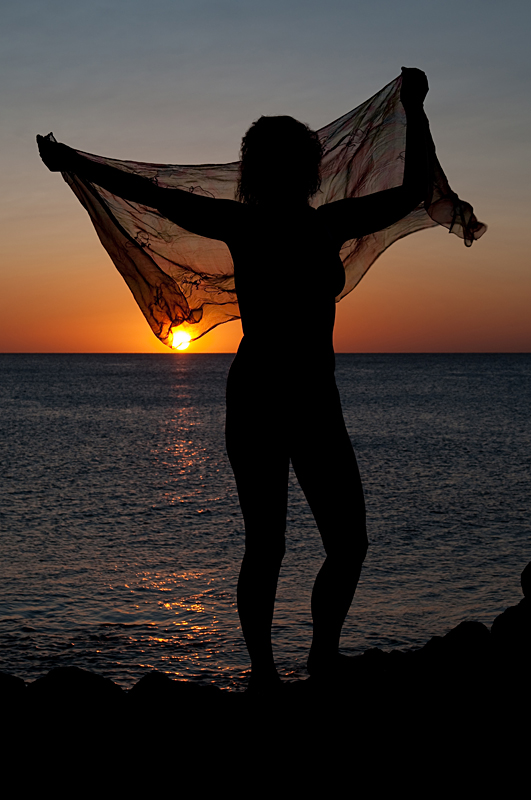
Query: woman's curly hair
279, 154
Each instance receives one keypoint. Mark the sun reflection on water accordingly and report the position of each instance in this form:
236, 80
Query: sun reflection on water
188, 630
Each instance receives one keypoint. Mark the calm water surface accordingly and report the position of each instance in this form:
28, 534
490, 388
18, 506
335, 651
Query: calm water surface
122, 535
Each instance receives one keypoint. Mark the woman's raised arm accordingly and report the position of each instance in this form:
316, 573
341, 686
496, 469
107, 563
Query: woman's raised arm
198, 214
355, 217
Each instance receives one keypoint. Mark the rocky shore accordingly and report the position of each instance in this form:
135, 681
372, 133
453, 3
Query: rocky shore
466, 692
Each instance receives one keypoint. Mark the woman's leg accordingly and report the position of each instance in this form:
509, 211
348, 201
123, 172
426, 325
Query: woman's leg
325, 465
259, 459
263, 499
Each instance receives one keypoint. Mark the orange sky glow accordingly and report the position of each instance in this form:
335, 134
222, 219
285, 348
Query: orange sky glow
145, 88
427, 293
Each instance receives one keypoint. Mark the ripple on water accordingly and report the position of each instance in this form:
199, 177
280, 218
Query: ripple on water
122, 536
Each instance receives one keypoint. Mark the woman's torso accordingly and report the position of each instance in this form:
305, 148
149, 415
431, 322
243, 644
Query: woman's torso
287, 275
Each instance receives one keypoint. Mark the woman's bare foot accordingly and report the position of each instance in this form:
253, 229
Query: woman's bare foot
327, 665
264, 682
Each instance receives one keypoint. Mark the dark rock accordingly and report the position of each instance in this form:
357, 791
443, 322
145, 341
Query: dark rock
467, 643
525, 580
157, 689
433, 648
13, 697
400, 655
11, 689
468, 637
73, 686
511, 630
375, 654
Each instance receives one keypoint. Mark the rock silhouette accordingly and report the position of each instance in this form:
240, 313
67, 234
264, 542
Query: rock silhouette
511, 630
438, 710
469, 644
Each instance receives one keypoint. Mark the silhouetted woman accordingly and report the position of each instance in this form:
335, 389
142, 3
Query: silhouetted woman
282, 400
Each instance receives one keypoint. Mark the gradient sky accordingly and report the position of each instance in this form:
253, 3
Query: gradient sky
179, 81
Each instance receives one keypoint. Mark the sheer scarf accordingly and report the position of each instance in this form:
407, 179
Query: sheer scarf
186, 282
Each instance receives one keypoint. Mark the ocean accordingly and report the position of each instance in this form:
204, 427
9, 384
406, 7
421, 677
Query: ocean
121, 535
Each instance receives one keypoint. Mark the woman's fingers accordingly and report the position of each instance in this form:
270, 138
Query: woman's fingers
50, 152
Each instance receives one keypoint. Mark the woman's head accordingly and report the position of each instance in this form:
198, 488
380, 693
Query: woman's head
280, 160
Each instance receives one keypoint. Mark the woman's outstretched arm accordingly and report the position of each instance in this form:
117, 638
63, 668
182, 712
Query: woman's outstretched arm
355, 217
195, 213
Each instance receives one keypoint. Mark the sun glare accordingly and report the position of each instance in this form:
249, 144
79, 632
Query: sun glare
180, 340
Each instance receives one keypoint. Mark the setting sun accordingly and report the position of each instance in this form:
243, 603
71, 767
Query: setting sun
181, 340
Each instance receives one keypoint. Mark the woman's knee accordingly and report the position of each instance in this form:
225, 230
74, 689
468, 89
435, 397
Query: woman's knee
267, 549
348, 549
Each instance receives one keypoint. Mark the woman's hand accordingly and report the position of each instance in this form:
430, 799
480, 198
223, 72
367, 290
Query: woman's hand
54, 154
414, 87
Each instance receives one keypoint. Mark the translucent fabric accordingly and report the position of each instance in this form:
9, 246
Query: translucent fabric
181, 280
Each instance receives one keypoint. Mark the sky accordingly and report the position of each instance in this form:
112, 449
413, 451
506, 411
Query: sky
178, 81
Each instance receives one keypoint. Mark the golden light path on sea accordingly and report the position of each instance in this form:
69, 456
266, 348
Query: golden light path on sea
190, 632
